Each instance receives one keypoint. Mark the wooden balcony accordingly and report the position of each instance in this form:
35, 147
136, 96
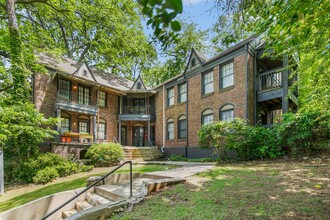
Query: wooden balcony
269, 85
140, 113
72, 101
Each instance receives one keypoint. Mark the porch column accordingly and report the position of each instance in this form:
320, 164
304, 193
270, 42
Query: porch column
58, 127
285, 86
119, 132
121, 99
94, 128
148, 133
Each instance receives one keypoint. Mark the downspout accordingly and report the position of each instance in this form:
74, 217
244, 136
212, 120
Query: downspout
164, 124
98, 114
187, 135
246, 82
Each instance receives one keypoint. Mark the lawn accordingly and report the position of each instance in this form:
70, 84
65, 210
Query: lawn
64, 184
244, 191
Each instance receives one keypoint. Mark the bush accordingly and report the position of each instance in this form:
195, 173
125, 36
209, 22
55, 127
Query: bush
26, 171
105, 154
46, 175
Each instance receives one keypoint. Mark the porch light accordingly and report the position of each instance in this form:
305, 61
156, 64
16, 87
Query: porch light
74, 88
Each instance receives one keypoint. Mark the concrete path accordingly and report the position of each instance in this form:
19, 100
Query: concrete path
187, 169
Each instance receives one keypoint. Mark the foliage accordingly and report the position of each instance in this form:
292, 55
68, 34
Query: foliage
22, 129
301, 133
105, 154
177, 54
46, 175
27, 170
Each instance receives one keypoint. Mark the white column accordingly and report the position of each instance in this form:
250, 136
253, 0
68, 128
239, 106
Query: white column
95, 128
149, 133
119, 132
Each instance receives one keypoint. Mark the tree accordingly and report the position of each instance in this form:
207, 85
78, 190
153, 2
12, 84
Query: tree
177, 54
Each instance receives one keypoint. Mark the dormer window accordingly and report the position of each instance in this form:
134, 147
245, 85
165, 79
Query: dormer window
138, 85
193, 62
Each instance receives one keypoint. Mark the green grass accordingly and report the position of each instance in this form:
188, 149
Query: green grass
271, 191
70, 185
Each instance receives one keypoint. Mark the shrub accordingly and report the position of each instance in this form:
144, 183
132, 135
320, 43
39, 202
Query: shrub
46, 175
105, 154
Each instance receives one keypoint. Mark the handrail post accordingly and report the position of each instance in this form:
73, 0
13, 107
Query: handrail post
131, 179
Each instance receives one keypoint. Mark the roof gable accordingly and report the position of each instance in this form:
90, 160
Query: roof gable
84, 72
138, 84
195, 59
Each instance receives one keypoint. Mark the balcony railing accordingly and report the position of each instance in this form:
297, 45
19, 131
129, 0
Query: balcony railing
73, 101
138, 110
75, 97
269, 80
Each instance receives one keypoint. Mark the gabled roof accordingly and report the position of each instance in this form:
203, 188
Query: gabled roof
75, 69
136, 83
195, 55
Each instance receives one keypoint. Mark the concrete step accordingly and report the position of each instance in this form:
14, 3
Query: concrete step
95, 199
68, 213
142, 153
108, 193
83, 205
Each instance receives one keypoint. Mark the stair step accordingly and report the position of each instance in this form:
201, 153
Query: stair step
108, 193
96, 199
83, 205
68, 213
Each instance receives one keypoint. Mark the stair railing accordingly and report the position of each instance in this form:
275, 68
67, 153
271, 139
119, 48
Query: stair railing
94, 184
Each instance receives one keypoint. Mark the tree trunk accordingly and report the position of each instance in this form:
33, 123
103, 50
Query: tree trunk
20, 91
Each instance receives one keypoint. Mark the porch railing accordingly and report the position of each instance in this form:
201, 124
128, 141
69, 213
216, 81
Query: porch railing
269, 80
137, 110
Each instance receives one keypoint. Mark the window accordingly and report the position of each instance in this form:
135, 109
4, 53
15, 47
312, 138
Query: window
102, 129
170, 129
207, 117
102, 99
64, 89
83, 124
183, 92
83, 96
193, 62
182, 127
138, 85
65, 125
227, 75
170, 96
207, 83
227, 113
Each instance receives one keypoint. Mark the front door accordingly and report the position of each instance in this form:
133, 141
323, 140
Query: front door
138, 136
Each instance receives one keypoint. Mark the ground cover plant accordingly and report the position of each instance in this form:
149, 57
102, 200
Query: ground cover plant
67, 183
253, 190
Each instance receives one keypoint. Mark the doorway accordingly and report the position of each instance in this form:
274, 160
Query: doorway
138, 136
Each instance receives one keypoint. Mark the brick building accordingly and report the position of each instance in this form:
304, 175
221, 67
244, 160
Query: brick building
238, 82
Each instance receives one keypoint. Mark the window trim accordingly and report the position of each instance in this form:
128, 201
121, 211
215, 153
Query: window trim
231, 107
105, 99
203, 115
58, 87
89, 94
179, 127
168, 98
179, 93
88, 124
220, 74
105, 130
169, 121
203, 83
66, 117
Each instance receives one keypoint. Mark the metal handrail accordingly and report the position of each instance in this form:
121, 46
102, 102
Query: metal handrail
94, 184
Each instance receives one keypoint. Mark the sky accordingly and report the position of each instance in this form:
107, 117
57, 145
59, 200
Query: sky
201, 12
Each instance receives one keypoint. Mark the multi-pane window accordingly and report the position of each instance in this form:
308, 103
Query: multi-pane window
83, 126
101, 131
182, 127
183, 92
102, 99
170, 129
64, 89
207, 83
227, 113
207, 117
65, 125
170, 96
227, 75
83, 96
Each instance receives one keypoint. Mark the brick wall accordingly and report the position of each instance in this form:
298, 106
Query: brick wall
197, 103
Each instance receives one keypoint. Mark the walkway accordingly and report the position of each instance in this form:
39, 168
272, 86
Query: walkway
187, 169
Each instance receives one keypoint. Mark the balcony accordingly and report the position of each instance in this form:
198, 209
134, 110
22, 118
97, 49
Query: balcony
72, 101
140, 113
269, 85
